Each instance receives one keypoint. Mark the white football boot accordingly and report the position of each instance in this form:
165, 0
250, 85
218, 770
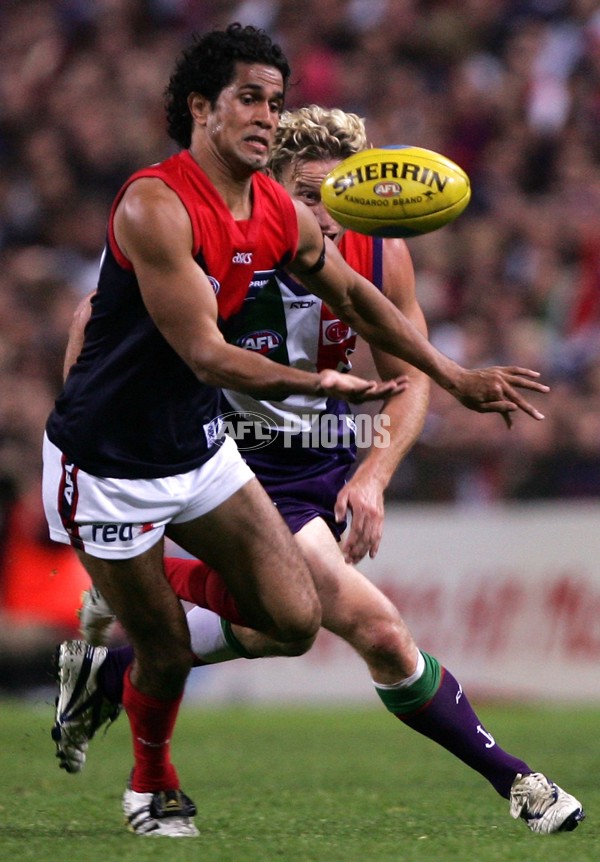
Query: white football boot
543, 805
162, 813
81, 708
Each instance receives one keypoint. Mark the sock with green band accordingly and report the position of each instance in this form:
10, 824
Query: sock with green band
409, 695
436, 706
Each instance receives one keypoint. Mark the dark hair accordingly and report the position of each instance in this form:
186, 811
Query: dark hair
208, 65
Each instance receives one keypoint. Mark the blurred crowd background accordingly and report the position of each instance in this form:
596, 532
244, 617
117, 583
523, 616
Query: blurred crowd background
509, 89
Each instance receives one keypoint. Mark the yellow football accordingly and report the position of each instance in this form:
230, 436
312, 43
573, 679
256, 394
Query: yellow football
396, 191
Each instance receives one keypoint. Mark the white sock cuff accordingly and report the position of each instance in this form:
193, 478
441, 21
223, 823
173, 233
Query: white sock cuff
206, 634
404, 683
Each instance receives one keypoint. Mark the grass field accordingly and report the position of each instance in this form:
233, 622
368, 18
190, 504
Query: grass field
310, 785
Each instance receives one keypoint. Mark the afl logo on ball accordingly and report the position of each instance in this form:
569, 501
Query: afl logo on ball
387, 190
214, 283
263, 341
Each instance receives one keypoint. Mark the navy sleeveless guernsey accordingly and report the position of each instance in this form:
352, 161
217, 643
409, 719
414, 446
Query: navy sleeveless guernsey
131, 408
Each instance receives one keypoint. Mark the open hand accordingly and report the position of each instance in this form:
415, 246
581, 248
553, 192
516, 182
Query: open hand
494, 390
364, 499
356, 390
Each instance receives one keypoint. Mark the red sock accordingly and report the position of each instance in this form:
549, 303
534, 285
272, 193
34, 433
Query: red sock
196, 582
152, 722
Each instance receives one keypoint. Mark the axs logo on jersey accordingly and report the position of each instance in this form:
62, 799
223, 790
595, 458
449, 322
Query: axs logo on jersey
244, 257
262, 341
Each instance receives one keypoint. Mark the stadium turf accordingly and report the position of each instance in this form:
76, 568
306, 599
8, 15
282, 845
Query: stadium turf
313, 785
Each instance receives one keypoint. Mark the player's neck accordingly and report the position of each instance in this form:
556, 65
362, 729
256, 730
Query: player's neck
234, 188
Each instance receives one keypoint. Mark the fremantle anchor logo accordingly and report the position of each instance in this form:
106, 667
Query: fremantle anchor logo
487, 735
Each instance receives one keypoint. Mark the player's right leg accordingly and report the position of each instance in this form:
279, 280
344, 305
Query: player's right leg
117, 527
153, 802
228, 516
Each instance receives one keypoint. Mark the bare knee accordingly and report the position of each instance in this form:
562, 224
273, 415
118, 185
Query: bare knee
299, 629
392, 653
386, 646
259, 645
296, 647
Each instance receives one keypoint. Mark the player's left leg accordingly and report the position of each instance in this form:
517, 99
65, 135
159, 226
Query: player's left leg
411, 684
418, 690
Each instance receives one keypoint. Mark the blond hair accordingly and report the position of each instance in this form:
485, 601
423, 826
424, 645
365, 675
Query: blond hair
314, 134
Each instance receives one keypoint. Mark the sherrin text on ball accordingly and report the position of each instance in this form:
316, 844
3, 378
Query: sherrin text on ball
396, 191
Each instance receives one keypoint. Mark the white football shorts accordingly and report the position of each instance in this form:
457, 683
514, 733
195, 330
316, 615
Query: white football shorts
122, 518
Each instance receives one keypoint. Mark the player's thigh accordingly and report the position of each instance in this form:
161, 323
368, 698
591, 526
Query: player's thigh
347, 597
248, 543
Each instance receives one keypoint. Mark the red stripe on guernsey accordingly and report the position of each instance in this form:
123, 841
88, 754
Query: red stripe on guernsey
68, 497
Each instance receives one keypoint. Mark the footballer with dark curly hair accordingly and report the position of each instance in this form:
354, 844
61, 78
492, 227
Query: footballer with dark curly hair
208, 65
134, 448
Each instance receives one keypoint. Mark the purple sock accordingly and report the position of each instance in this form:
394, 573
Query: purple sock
449, 720
112, 670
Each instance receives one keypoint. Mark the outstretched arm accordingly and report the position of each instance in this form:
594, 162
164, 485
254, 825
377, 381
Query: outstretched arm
356, 301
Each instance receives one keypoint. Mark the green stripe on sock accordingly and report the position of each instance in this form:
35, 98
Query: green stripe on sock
232, 641
408, 699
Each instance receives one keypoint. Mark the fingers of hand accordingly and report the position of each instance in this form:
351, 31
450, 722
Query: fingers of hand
354, 553
523, 405
496, 407
394, 387
525, 383
524, 378
507, 407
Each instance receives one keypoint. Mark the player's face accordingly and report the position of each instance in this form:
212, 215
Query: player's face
242, 125
303, 182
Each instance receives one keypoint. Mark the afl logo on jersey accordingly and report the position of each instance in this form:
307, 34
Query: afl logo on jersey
334, 331
214, 284
262, 341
